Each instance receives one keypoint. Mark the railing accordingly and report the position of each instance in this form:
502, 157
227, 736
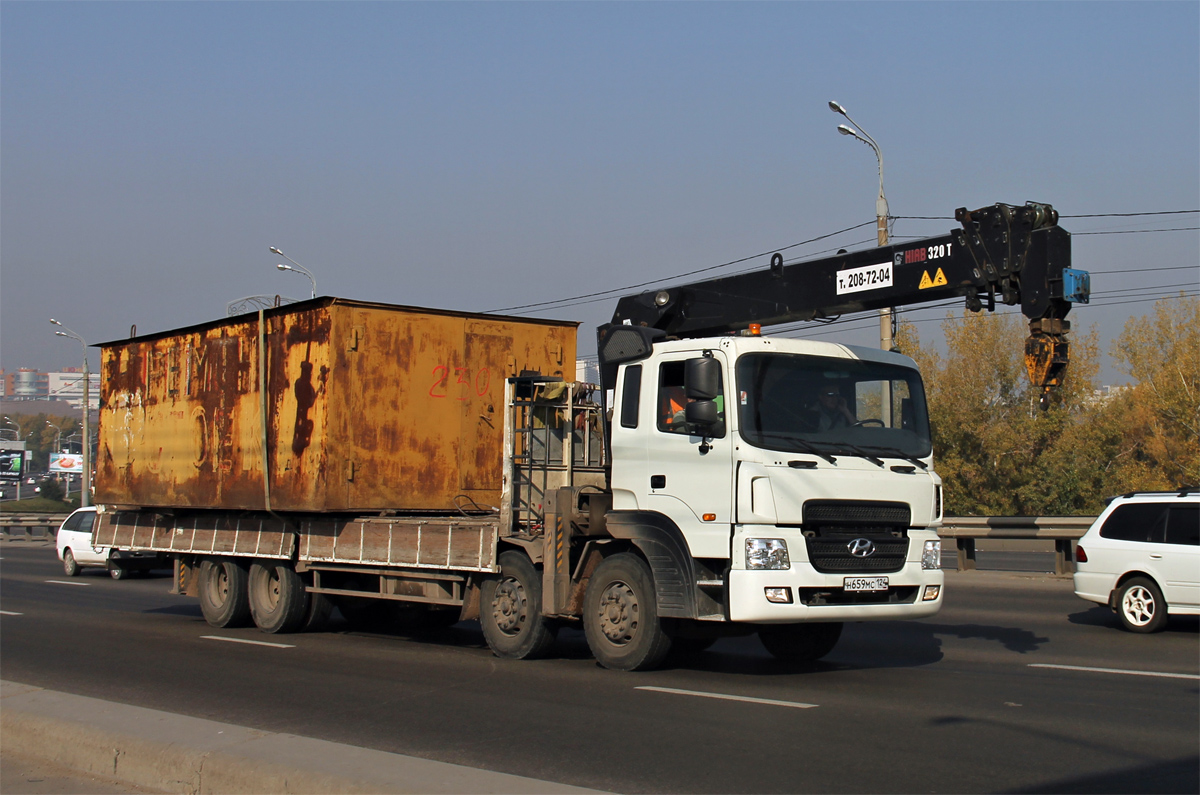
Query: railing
31, 525
1061, 529
965, 530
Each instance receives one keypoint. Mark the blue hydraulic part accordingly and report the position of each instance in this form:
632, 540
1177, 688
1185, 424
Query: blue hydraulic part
1077, 285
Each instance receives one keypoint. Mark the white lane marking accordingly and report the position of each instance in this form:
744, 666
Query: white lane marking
251, 642
68, 582
10, 613
1115, 671
724, 697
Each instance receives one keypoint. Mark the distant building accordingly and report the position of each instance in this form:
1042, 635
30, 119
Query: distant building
26, 384
68, 385
1107, 393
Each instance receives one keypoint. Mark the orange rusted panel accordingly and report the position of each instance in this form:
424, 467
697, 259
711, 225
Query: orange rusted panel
367, 407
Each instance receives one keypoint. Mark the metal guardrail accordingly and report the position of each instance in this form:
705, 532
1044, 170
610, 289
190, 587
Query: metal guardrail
31, 525
965, 530
1063, 530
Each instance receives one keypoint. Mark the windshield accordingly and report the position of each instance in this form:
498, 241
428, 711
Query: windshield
829, 406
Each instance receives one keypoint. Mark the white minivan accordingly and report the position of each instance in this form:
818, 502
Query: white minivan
1141, 557
75, 550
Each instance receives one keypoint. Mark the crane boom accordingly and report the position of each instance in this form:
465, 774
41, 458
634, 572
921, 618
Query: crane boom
1003, 253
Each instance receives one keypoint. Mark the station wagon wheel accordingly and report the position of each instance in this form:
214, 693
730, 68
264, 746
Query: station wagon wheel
69, 564
1140, 606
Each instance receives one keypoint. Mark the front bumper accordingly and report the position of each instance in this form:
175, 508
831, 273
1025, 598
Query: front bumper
821, 597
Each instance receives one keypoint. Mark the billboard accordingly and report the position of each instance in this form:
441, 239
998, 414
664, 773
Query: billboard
68, 463
11, 464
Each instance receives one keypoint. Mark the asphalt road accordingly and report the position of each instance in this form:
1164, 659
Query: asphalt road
955, 703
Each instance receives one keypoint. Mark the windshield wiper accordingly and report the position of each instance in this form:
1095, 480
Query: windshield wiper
861, 453
898, 453
801, 445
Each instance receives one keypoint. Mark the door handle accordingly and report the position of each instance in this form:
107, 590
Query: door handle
1155, 556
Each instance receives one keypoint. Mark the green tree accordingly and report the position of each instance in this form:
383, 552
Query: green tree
1161, 411
995, 448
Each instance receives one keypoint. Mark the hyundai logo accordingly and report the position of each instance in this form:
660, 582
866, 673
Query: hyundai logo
861, 547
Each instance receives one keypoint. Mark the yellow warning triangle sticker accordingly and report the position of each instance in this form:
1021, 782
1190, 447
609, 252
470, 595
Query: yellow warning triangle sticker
938, 280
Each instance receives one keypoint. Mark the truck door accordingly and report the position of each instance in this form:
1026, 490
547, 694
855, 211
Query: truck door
689, 475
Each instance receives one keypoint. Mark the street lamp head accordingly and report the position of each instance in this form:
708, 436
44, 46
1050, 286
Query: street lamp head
836, 107
274, 250
283, 267
844, 130
55, 322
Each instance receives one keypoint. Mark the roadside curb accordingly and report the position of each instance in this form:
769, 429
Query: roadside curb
176, 753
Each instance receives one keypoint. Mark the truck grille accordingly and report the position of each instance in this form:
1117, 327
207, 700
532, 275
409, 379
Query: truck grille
832, 555
856, 512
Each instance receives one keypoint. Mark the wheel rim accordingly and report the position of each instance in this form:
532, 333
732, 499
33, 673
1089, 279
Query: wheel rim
618, 613
271, 589
1138, 606
510, 607
218, 586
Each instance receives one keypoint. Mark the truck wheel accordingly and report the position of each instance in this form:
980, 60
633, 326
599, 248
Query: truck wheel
278, 601
320, 608
116, 570
620, 615
511, 610
1140, 606
800, 642
223, 598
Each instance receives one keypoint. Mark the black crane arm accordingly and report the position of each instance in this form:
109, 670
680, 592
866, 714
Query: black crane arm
1003, 253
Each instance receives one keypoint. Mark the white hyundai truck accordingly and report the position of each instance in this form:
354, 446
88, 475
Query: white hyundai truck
716, 482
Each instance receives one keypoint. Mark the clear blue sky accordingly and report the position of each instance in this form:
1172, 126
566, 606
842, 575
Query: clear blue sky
481, 156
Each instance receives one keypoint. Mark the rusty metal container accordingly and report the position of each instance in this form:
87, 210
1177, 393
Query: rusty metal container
328, 405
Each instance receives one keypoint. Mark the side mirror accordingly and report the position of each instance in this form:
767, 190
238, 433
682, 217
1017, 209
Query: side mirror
702, 379
702, 413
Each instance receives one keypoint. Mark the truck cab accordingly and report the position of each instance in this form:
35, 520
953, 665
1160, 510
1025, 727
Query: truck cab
797, 473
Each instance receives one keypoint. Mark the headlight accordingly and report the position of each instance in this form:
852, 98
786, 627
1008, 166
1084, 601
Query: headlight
767, 553
931, 556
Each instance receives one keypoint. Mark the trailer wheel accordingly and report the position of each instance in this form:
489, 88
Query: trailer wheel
620, 615
800, 642
223, 598
511, 610
278, 600
320, 608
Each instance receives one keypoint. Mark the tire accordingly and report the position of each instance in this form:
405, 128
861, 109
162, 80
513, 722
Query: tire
69, 565
316, 619
1140, 606
117, 571
278, 600
620, 615
223, 593
510, 610
800, 642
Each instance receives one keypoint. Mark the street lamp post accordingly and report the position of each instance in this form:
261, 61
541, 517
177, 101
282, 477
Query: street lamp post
57, 436
297, 269
881, 213
16, 435
85, 497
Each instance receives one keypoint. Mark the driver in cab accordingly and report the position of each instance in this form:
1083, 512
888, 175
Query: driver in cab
831, 410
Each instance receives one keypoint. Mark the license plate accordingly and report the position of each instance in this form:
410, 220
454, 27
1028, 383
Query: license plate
865, 583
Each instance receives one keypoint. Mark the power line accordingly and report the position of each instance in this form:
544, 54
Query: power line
1148, 270
1138, 231
682, 275
1087, 215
